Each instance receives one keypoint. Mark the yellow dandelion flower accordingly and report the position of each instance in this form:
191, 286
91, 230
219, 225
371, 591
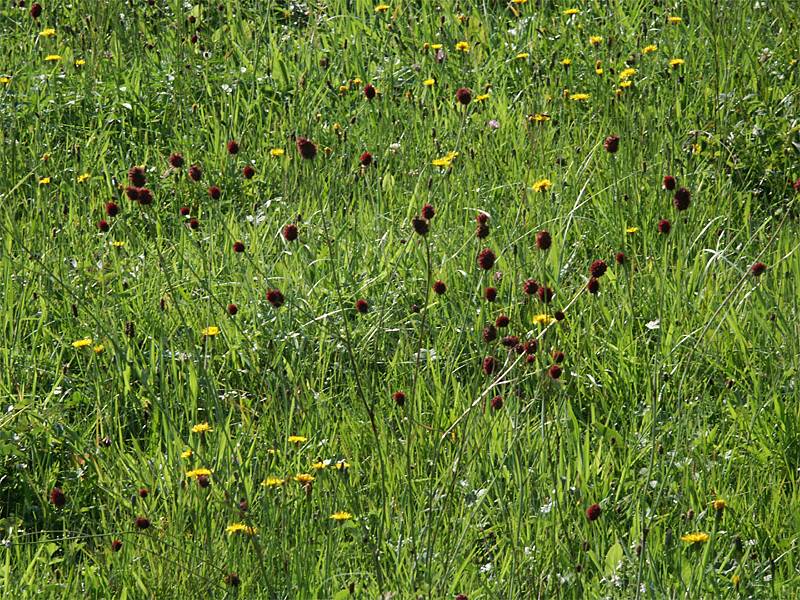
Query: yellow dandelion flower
5, 80
735, 580
440, 46
566, 61
462, 47
342, 90
342, 465
46, 33
44, 181
543, 319
519, 1
187, 453
675, 20
276, 152
99, 349
202, 428
627, 73
304, 478
53, 58
542, 185
118, 244
697, 537
297, 439
80, 62
341, 516
599, 70
719, 504
481, 98
571, 11
649, 49
319, 465
82, 343
631, 230
429, 82
625, 84
201, 472
538, 118
83, 178
234, 528
445, 161
595, 40
46, 156
273, 482
381, 8
580, 97
210, 331
522, 55
676, 62
356, 81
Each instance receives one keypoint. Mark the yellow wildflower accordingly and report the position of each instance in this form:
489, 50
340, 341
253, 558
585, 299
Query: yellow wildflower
523, 55
80, 62
462, 47
342, 90
82, 343
341, 516
571, 11
117, 244
649, 49
595, 40
566, 61
202, 428
201, 472
719, 504
543, 319
53, 58
631, 230
210, 331
99, 349
297, 439
304, 478
187, 453
735, 580
381, 8
276, 152
342, 465
538, 118
695, 538
542, 185
675, 20
319, 465
46, 33
429, 82
5, 80
83, 178
439, 46
356, 81
241, 528
627, 73
44, 181
273, 482
676, 62
445, 161
579, 97
482, 97
625, 84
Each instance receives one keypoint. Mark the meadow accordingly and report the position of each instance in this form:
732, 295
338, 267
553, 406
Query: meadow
456, 299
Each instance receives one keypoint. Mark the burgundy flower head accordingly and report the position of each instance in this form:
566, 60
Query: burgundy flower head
593, 512
275, 298
489, 333
464, 95
185, 211
103, 225
116, 545
142, 522
619, 257
143, 492
195, 173
194, 224
214, 192
543, 240
510, 341
796, 185
611, 144
668, 183
132, 192
57, 497
758, 269
232, 579
248, 172
399, 398
232, 309
558, 356
486, 259
144, 196
232, 147
365, 159
36, 10
545, 293
497, 403
439, 287
176, 160
137, 176
530, 287
420, 225
482, 218
502, 321
598, 268
428, 212
112, 210
306, 148
682, 199
489, 365
290, 232
369, 91
664, 226
554, 371
593, 285
482, 231
362, 306
238, 246
490, 293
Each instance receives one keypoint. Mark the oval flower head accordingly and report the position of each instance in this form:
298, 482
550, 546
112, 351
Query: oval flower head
201, 472
697, 537
210, 331
234, 528
82, 343
297, 439
341, 516
202, 428
463, 47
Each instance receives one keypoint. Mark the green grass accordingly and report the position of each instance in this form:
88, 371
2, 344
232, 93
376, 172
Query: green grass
679, 383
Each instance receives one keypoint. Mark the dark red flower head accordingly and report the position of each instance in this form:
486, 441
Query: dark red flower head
486, 259
103, 225
489, 333
420, 225
497, 403
439, 287
545, 293
682, 199
399, 398
306, 148
232, 309
132, 192
57, 497
195, 173
593, 285
559, 315
369, 91
598, 268
144, 196
611, 144
461, 597
233, 147
365, 159
428, 212
558, 356
464, 95
482, 231
214, 192
137, 176
116, 545
362, 306
593, 512
203, 481
290, 232
664, 226
796, 185
194, 224
502, 321
489, 365
543, 240
142, 522
185, 211
619, 257
530, 287
143, 492
482, 218
554, 371
238, 246
248, 172
232, 579
36, 10
275, 298
758, 269
112, 210
176, 160
668, 183
490, 293
509, 341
